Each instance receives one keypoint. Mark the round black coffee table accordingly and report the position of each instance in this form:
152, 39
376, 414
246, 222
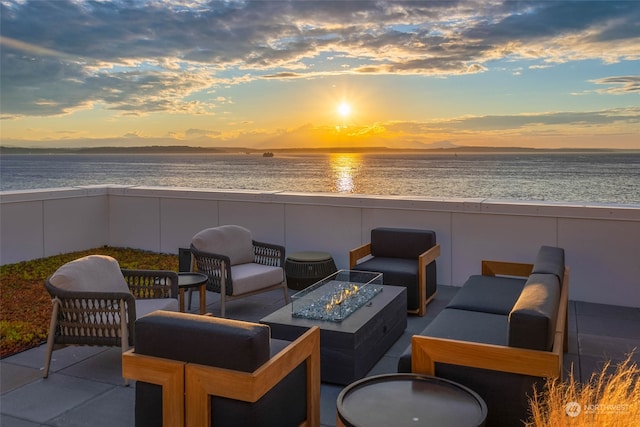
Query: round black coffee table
409, 400
190, 281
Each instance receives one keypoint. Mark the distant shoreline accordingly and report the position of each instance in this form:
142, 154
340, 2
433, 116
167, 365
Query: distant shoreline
184, 149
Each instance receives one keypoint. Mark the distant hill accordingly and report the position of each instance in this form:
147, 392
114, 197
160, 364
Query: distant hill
185, 149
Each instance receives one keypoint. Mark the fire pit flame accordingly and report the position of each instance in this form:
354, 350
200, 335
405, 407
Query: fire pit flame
341, 296
336, 303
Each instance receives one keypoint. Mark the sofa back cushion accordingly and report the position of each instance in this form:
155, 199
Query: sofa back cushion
93, 273
401, 242
229, 240
532, 320
550, 260
205, 340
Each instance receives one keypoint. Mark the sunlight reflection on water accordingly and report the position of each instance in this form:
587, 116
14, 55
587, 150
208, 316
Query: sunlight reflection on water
573, 177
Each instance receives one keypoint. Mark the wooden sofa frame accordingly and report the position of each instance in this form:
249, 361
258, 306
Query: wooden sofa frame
186, 387
424, 259
426, 351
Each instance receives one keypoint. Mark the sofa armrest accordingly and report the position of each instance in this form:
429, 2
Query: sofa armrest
503, 268
204, 381
426, 351
358, 253
167, 373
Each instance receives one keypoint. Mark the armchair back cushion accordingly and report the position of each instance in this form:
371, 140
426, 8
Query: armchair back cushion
205, 340
229, 240
401, 242
224, 343
99, 273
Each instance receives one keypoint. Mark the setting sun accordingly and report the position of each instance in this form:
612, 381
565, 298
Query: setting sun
344, 109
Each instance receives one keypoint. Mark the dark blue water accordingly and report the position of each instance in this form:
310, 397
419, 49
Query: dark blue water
612, 177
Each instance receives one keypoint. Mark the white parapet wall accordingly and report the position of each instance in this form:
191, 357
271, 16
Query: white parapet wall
602, 242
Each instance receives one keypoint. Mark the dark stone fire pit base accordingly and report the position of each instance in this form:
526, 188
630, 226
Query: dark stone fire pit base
349, 349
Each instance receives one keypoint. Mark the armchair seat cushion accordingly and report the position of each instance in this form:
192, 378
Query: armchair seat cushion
396, 272
251, 277
489, 294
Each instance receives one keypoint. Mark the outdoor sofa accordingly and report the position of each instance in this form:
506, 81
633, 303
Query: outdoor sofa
503, 332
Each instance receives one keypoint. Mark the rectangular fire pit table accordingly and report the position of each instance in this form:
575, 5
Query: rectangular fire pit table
351, 347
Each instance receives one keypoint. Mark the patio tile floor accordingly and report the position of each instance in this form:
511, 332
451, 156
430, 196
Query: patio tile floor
85, 386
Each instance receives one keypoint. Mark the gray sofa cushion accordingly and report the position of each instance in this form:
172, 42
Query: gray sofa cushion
550, 260
533, 318
401, 242
462, 325
488, 294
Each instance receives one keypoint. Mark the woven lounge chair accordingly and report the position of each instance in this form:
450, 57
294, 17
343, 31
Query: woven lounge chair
238, 264
96, 303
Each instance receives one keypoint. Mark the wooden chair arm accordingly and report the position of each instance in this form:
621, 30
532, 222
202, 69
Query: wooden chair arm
167, 373
204, 381
426, 351
428, 256
358, 253
493, 268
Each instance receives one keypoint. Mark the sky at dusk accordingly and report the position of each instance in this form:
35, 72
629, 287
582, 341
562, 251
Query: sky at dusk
277, 74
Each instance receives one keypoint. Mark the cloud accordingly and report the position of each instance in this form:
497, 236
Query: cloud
152, 56
619, 85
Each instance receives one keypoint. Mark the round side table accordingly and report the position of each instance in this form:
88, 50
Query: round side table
307, 267
409, 400
190, 281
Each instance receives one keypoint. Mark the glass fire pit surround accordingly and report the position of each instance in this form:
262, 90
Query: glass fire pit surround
337, 296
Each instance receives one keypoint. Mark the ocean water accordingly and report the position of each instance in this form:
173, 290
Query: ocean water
583, 177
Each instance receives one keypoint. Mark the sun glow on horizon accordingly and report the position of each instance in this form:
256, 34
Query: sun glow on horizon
344, 109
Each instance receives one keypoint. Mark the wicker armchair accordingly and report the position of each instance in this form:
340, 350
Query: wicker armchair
92, 295
238, 264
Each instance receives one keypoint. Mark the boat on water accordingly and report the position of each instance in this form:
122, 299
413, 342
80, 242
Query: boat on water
267, 154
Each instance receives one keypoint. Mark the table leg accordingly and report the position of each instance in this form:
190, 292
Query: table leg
203, 298
181, 300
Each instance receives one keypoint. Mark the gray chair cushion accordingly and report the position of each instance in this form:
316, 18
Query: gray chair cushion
396, 272
550, 260
252, 277
488, 294
206, 340
93, 273
533, 318
401, 242
229, 240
